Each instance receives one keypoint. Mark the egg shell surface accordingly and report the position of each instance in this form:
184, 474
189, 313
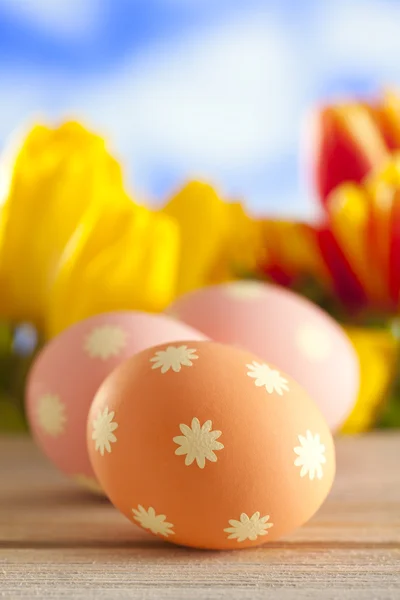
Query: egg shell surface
285, 329
205, 446
68, 371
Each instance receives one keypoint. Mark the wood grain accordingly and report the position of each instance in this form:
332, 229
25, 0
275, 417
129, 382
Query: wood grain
57, 542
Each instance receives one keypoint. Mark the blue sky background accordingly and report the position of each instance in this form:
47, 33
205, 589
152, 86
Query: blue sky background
217, 89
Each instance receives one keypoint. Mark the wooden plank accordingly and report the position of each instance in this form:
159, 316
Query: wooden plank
57, 542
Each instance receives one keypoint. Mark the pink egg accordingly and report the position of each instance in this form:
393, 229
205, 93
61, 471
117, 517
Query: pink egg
69, 370
284, 329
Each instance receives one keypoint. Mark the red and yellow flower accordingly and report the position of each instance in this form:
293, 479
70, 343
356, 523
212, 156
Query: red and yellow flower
349, 262
352, 138
73, 243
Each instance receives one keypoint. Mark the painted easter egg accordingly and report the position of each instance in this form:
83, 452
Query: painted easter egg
205, 445
68, 371
285, 329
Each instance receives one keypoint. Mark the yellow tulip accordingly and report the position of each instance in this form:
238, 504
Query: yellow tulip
47, 185
240, 251
219, 241
377, 351
121, 258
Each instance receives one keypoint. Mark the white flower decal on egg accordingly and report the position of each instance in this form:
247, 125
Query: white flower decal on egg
148, 519
103, 428
268, 378
310, 456
51, 415
248, 528
174, 357
198, 443
105, 342
245, 290
314, 342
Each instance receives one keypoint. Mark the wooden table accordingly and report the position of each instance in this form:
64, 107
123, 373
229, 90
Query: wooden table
57, 542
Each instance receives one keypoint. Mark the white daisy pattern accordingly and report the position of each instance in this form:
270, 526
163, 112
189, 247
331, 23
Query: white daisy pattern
173, 357
198, 443
148, 519
89, 483
248, 528
313, 342
103, 428
51, 415
105, 342
245, 290
269, 378
310, 456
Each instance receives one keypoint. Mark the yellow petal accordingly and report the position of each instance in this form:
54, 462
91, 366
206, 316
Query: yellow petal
391, 109
54, 175
350, 209
377, 352
382, 186
292, 246
361, 125
219, 240
119, 258
203, 223
387, 172
240, 251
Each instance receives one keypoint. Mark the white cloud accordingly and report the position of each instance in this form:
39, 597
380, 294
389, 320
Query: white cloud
294, 205
189, 4
66, 18
362, 36
20, 97
225, 98
221, 104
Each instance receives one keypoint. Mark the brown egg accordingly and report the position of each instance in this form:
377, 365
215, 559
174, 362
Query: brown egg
205, 445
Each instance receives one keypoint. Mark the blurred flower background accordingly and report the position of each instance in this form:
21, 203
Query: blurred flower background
133, 123
189, 88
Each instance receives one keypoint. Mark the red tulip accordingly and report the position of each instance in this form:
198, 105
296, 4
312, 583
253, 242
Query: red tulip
352, 138
354, 254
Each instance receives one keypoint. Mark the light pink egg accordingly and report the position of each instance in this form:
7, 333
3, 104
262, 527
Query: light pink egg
69, 370
285, 329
